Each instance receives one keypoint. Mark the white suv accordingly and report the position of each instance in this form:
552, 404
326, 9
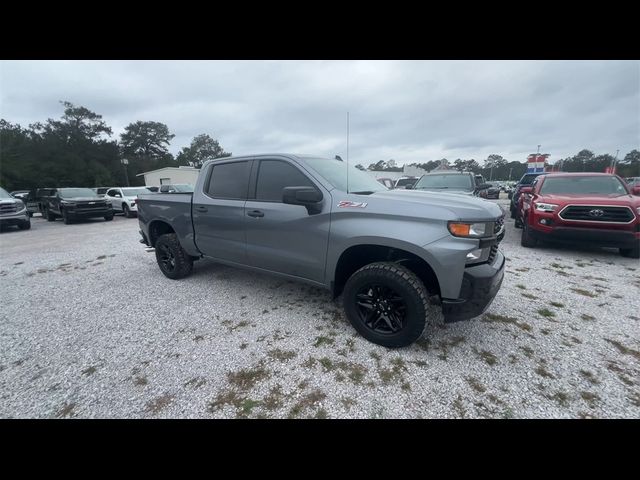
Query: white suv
124, 199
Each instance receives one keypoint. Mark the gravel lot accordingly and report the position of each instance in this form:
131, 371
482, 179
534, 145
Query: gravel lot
91, 328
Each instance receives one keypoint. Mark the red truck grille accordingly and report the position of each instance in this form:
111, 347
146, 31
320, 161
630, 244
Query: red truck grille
597, 213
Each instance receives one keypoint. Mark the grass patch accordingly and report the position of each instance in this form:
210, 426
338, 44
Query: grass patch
493, 318
585, 293
587, 318
158, 404
561, 397
322, 340
521, 287
624, 350
395, 373
306, 402
545, 312
543, 372
140, 381
66, 410
195, 382
246, 379
475, 384
556, 304
560, 266
488, 357
529, 295
246, 406
590, 377
281, 355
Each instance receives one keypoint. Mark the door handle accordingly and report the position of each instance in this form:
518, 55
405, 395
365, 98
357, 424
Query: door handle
255, 213
201, 209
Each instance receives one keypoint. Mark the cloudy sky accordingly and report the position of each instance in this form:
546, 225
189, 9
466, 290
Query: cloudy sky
406, 110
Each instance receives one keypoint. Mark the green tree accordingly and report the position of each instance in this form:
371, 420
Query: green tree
202, 148
145, 145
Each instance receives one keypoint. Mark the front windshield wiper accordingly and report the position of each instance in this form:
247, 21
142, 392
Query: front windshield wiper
364, 192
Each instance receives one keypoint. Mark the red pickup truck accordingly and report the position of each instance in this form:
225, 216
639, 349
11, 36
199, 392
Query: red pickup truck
596, 208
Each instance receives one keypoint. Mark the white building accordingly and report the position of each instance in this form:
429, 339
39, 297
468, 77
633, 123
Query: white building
170, 175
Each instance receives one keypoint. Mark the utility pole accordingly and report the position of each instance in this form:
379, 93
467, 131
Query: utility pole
615, 160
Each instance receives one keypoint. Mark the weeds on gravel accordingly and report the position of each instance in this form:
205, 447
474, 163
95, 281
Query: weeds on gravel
246, 379
556, 304
66, 410
587, 318
529, 295
476, 384
322, 340
585, 293
89, 371
590, 377
488, 357
561, 397
543, 372
624, 350
159, 403
493, 318
545, 312
521, 287
528, 351
281, 355
307, 401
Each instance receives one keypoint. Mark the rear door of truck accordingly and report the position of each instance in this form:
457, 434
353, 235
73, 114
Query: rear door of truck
218, 207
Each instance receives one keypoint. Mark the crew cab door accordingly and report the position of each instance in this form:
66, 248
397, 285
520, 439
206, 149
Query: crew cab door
218, 211
284, 238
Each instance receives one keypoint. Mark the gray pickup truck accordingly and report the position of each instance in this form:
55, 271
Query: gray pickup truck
388, 252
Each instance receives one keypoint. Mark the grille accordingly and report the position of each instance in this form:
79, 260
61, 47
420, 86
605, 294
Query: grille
596, 213
86, 207
492, 253
498, 225
9, 208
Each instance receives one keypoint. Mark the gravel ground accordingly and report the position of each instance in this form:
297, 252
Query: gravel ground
89, 327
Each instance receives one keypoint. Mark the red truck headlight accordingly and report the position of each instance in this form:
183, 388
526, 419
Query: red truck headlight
545, 207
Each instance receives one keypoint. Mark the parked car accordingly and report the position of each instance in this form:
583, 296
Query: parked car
21, 194
123, 199
387, 252
152, 189
387, 182
633, 181
176, 188
405, 182
525, 181
101, 191
75, 203
594, 208
13, 211
491, 192
40, 198
463, 183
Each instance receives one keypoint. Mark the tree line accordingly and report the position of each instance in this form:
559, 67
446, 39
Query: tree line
78, 150
496, 167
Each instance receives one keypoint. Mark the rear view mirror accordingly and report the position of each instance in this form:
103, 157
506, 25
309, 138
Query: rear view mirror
309, 197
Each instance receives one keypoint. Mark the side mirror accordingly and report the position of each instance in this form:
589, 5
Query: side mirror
309, 197
526, 190
635, 190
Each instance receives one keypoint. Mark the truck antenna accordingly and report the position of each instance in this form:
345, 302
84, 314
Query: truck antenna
347, 152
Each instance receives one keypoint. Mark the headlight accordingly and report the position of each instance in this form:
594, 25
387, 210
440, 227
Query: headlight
638, 210
473, 230
21, 206
546, 207
68, 204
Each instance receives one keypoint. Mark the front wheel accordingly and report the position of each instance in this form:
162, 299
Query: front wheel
387, 304
50, 216
126, 211
173, 261
25, 225
631, 252
527, 240
66, 217
108, 217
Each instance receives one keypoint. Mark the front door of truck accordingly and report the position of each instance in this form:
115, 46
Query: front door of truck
281, 237
218, 211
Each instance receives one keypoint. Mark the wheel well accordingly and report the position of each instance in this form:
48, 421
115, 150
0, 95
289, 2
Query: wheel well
158, 228
356, 257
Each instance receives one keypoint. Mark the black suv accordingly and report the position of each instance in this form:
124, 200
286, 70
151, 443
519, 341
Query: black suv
75, 203
526, 180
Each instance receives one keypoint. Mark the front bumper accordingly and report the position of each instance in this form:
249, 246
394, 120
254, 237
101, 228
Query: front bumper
93, 213
592, 236
15, 218
480, 284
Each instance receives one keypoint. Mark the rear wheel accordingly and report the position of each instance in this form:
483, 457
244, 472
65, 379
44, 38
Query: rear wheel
66, 217
173, 261
518, 222
631, 252
126, 211
108, 217
387, 304
527, 240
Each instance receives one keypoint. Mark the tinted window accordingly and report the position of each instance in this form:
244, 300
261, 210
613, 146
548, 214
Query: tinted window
112, 193
274, 175
443, 181
229, 180
595, 185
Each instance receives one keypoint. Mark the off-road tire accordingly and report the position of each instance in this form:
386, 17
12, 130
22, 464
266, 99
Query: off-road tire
402, 281
66, 218
526, 240
183, 263
24, 225
631, 252
108, 217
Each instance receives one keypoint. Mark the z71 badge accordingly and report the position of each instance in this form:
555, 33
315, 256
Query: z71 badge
348, 204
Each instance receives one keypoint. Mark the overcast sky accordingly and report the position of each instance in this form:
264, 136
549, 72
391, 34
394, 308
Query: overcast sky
411, 111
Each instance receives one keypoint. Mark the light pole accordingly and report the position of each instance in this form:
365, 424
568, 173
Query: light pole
125, 162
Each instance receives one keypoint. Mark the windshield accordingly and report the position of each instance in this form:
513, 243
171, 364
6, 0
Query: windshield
132, 192
605, 185
403, 182
4, 193
454, 182
335, 172
528, 179
76, 192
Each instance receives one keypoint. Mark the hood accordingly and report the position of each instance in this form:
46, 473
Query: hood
83, 199
584, 199
9, 201
468, 193
420, 203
